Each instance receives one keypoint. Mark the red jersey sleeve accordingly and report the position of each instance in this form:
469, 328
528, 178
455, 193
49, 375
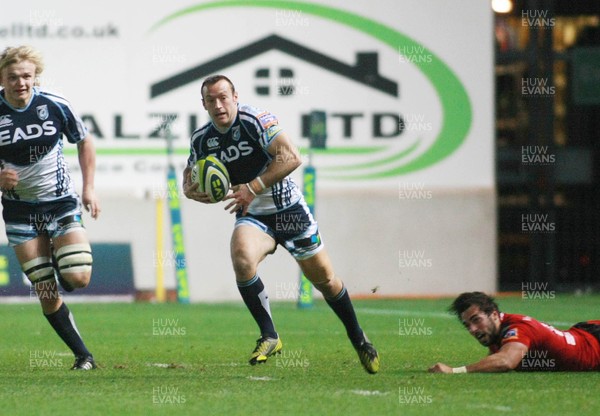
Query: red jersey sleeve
517, 328
549, 349
514, 328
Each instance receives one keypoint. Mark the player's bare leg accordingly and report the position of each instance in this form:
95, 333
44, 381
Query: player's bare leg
249, 246
319, 271
35, 259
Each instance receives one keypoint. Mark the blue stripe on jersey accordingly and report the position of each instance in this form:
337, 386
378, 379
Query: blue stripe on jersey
266, 124
75, 130
274, 196
287, 192
61, 177
197, 135
244, 115
277, 195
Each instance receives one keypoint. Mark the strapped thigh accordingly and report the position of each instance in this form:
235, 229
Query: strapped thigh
74, 258
38, 270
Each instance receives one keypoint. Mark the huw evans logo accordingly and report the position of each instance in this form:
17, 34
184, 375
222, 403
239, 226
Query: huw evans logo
386, 160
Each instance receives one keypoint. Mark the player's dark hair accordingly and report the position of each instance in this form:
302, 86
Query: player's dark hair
464, 301
213, 79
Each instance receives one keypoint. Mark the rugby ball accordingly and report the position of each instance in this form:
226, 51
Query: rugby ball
212, 177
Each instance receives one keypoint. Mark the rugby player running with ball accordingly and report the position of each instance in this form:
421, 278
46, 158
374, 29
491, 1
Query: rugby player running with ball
259, 156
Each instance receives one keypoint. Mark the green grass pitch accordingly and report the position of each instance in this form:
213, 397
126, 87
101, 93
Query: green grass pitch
192, 360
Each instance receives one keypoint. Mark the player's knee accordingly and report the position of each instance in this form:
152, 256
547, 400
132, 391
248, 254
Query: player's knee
78, 280
75, 263
325, 287
244, 265
329, 287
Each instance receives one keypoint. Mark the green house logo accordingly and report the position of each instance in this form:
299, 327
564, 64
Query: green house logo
373, 162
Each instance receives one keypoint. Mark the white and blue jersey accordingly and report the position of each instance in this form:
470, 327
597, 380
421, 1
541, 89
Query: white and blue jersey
31, 144
243, 151
280, 210
44, 200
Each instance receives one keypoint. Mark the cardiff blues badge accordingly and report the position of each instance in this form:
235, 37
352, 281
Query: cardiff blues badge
42, 112
236, 133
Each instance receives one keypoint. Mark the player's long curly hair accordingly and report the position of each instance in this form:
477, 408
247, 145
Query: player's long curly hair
464, 301
13, 55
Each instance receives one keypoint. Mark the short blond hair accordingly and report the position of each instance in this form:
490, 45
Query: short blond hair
14, 55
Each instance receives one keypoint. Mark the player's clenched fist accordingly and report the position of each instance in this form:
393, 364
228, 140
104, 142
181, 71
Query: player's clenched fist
440, 368
8, 179
190, 189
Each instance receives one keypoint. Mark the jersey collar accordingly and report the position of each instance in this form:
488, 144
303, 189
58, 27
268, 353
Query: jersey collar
235, 121
35, 92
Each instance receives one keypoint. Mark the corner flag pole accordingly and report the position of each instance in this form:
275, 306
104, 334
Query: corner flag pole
183, 292
160, 292
317, 136
305, 299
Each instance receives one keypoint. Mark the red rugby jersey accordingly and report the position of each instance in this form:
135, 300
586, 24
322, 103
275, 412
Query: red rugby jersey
549, 349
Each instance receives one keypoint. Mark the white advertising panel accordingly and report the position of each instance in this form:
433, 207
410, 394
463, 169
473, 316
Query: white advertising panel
406, 85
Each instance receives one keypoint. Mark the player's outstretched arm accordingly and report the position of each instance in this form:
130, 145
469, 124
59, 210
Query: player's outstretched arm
506, 359
86, 152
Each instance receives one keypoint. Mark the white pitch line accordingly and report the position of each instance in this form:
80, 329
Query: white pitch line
265, 378
370, 392
401, 312
493, 407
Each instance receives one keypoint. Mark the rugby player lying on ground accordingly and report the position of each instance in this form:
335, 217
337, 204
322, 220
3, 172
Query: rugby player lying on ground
518, 342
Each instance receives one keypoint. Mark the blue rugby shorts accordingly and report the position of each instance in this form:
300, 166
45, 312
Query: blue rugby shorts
294, 228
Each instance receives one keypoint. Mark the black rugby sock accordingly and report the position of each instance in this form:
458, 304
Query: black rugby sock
63, 323
255, 297
342, 306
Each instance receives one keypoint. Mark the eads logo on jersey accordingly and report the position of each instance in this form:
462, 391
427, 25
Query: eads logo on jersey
380, 129
29, 132
234, 152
